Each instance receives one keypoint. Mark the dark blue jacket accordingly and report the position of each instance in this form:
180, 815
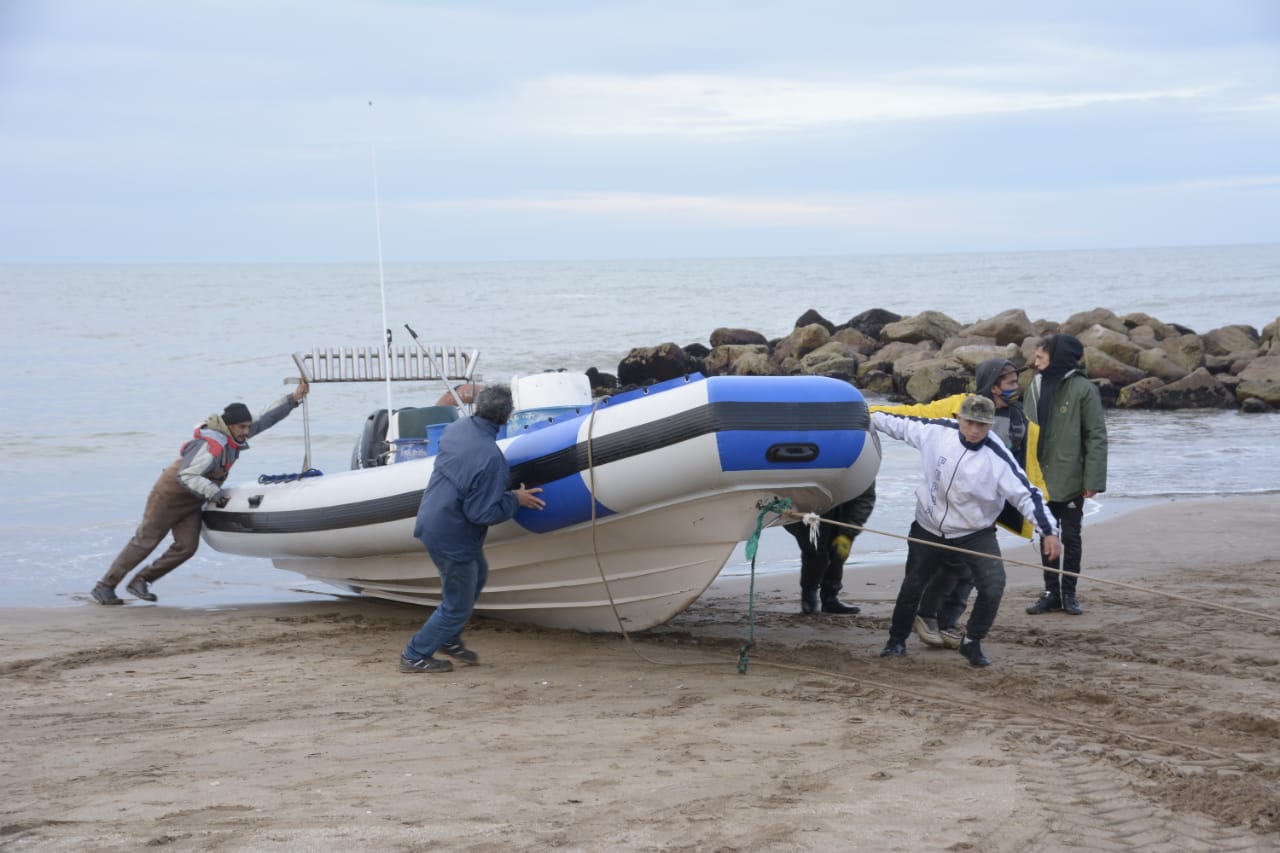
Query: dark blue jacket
467, 491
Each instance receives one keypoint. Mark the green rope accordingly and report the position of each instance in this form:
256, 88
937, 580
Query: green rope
776, 506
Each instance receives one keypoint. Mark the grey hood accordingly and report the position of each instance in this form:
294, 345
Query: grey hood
988, 374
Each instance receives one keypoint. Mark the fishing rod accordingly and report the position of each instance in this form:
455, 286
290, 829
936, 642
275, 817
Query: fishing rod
382, 280
440, 366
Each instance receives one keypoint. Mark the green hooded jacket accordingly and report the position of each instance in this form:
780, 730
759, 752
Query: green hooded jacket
1073, 456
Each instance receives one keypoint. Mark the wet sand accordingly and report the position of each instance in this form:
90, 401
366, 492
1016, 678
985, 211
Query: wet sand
1147, 723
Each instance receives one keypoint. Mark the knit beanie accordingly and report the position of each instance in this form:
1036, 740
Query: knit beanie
237, 413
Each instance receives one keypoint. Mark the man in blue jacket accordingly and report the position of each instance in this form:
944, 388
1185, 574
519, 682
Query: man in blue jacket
467, 493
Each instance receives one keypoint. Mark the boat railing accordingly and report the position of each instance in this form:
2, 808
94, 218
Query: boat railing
372, 364
450, 365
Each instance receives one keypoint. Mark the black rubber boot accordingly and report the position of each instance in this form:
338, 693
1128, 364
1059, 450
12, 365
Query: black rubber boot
138, 589
1047, 602
808, 600
831, 604
104, 594
972, 652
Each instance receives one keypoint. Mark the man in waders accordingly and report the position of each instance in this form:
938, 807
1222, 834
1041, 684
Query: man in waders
179, 496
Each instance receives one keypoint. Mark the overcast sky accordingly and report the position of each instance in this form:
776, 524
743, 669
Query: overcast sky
230, 131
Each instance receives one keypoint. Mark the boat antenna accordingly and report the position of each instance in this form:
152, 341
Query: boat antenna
382, 280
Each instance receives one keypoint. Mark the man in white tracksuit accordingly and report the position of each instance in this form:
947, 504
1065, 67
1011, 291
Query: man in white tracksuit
969, 475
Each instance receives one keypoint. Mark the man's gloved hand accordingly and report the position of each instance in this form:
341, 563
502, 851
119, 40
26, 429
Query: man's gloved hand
222, 500
841, 545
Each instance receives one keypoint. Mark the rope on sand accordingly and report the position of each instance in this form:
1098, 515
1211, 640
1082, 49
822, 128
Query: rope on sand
604, 579
778, 506
808, 518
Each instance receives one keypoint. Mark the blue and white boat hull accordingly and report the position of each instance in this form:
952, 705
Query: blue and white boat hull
678, 476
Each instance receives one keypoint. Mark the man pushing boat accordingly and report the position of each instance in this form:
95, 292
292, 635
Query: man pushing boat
179, 495
466, 495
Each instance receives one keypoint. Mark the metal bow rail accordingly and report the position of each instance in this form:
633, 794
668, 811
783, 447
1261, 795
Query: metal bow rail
450, 365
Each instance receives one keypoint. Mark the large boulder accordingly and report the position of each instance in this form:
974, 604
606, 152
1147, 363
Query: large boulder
1158, 363
789, 350
601, 381
1227, 340
1186, 351
1261, 379
887, 357
1007, 327
926, 381
925, 326
1044, 328
729, 337
1108, 392
875, 381
871, 322
856, 340
647, 365
832, 359
1102, 366
1113, 343
1198, 390
1138, 320
1144, 336
1231, 363
720, 361
755, 364
1139, 395
1270, 342
810, 317
972, 356
964, 340
1077, 323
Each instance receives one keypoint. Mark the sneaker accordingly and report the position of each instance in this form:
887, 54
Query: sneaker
926, 628
972, 652
1070, 606
951, 638
894, 649
1048, 601
104, 594
427, 664
459, 652
835, 605
138, 589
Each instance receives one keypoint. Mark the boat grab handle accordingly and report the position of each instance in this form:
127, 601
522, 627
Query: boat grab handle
792, 453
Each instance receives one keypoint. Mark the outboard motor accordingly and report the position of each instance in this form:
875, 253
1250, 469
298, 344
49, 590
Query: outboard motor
371, 450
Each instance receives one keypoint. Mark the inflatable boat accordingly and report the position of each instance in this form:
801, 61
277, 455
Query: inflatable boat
647, 492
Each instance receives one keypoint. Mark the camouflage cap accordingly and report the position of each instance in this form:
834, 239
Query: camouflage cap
979, 409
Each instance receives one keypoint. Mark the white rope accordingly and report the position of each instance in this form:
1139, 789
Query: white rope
1093, 578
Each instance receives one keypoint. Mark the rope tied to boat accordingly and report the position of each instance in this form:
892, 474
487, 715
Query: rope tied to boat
779, 507
1092, 578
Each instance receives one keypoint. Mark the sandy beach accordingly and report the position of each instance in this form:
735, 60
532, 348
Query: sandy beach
1148, 723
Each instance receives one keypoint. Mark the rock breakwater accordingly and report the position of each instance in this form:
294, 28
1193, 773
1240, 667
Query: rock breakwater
1137, 361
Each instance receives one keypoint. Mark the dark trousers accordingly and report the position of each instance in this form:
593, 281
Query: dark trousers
924, 561
166, 513
820, 566
1070, 515
947, 593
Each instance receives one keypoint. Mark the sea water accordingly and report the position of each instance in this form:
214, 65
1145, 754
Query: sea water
106, 370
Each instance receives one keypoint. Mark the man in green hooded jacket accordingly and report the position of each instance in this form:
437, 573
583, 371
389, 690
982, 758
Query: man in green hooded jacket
1069, 433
